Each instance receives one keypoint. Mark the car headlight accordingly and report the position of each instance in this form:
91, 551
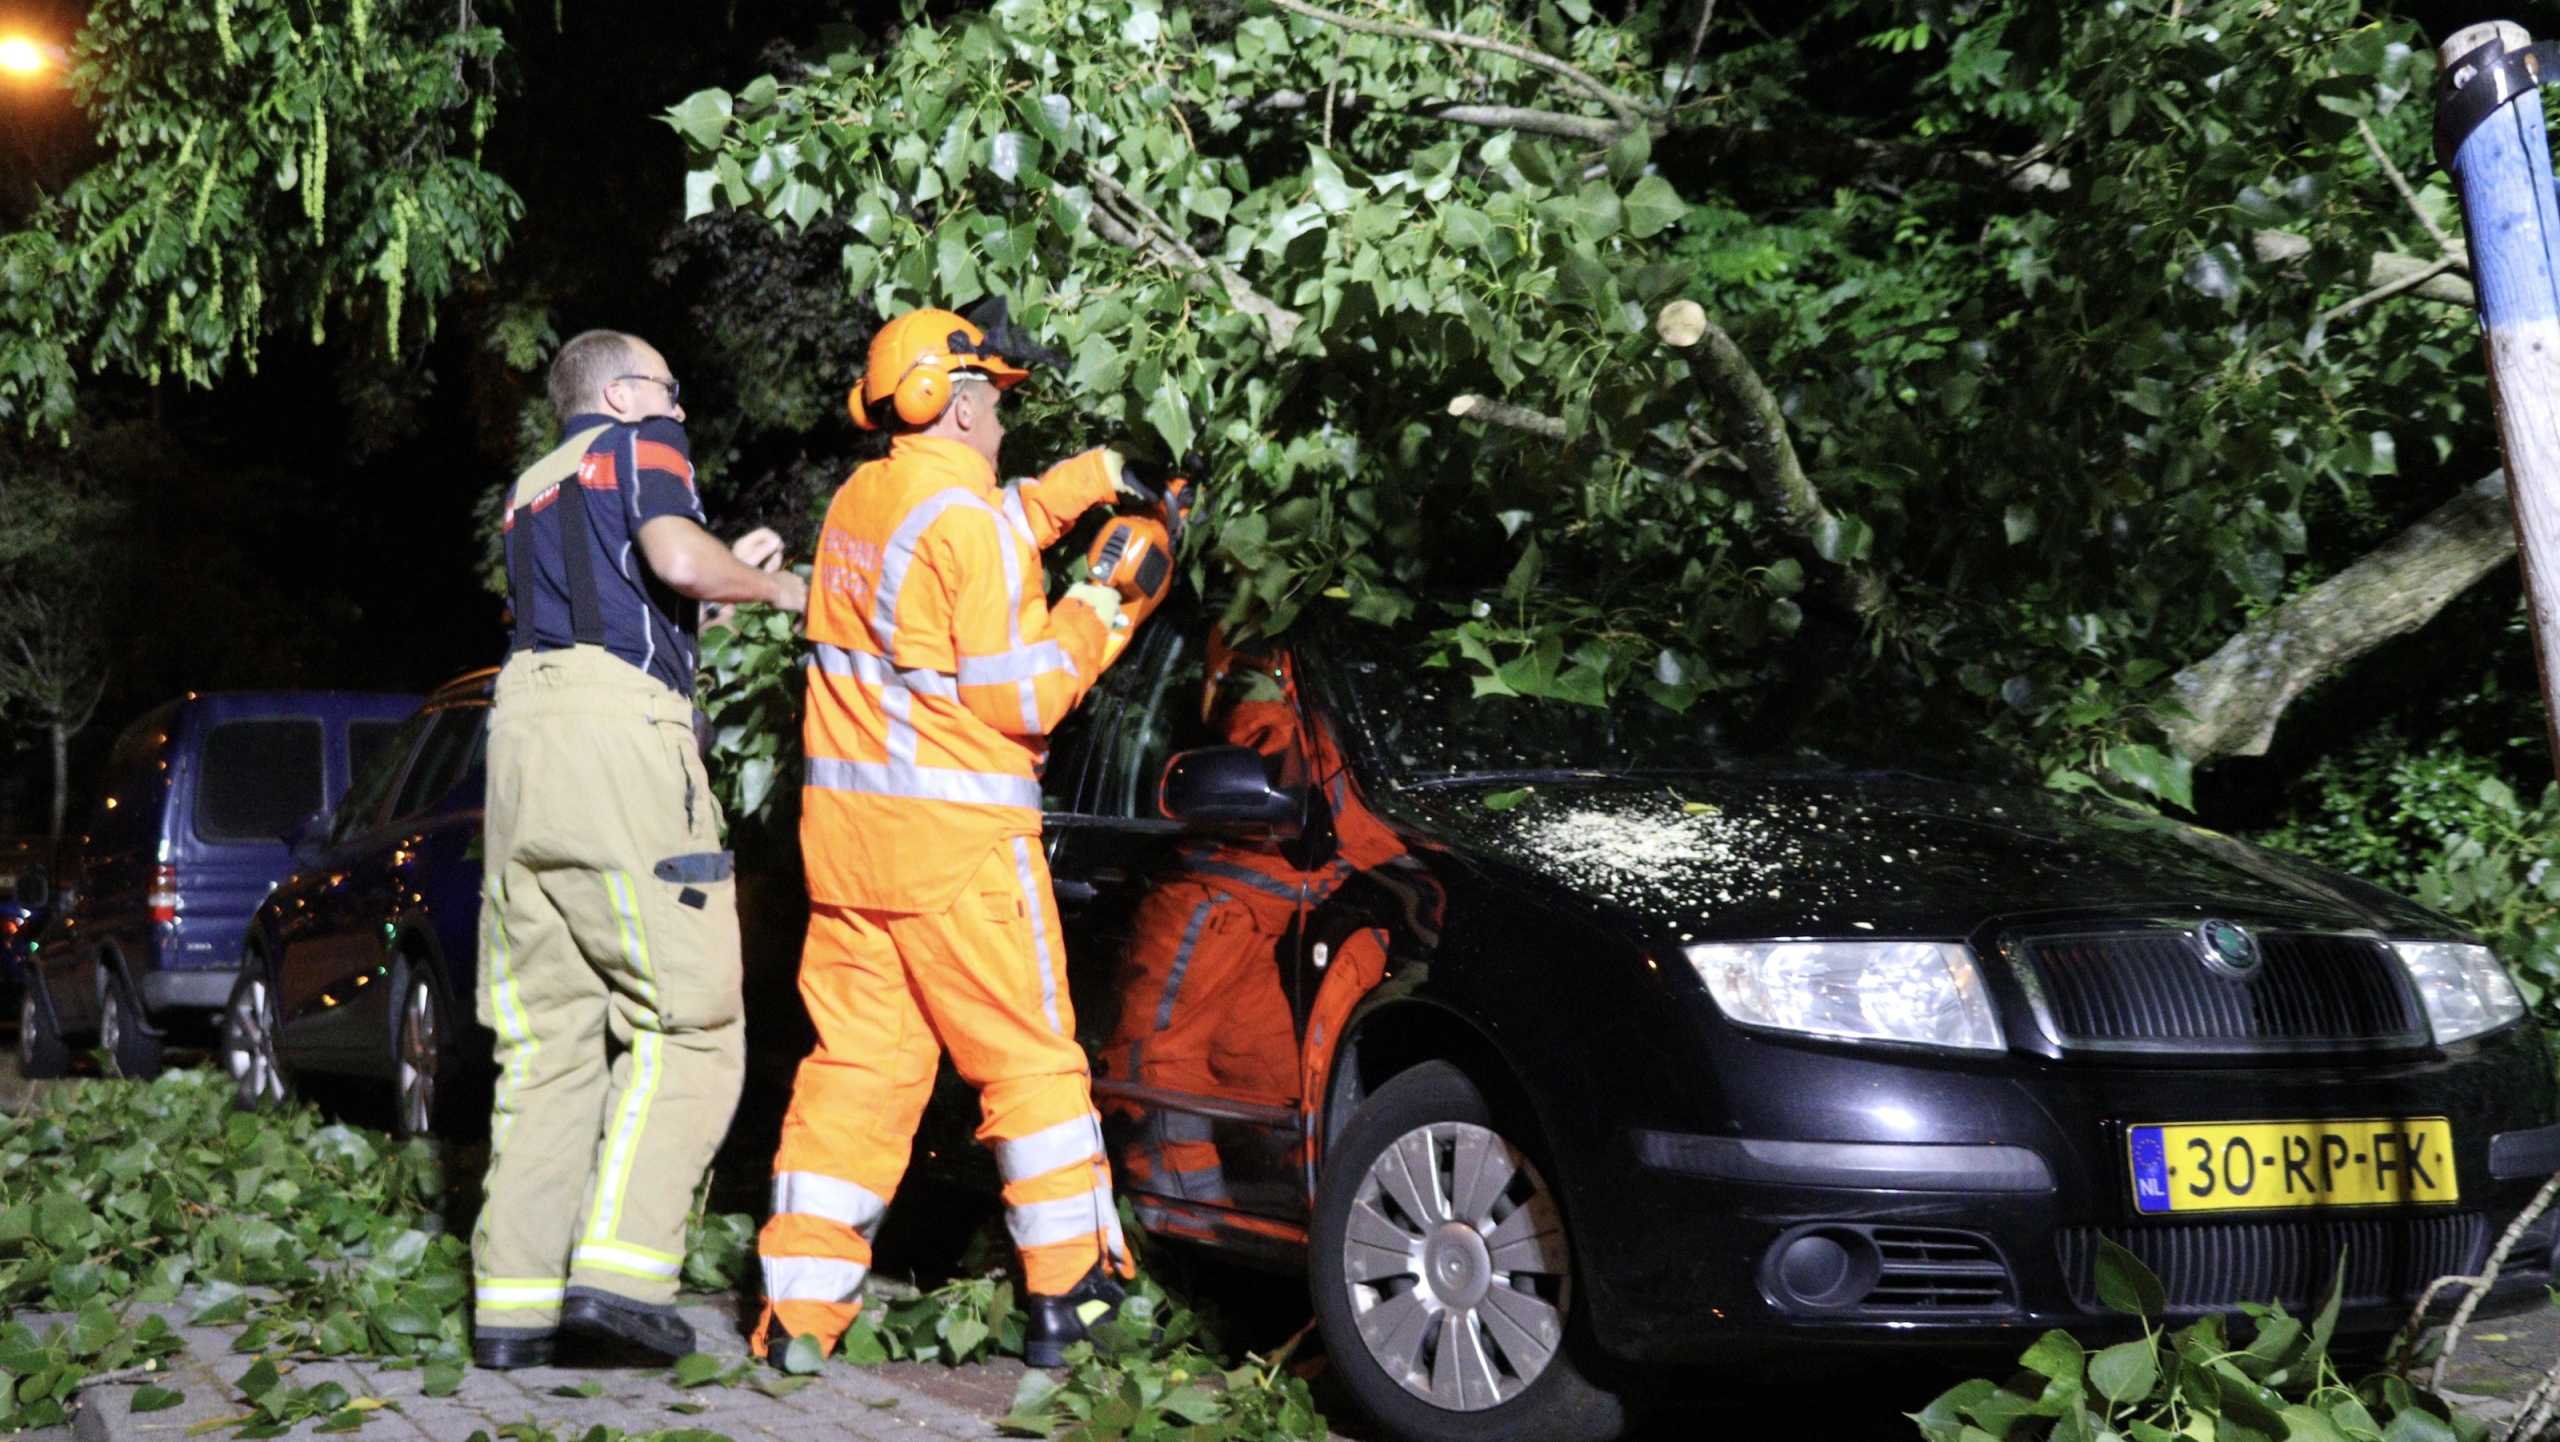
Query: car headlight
2466, 991
1928, 992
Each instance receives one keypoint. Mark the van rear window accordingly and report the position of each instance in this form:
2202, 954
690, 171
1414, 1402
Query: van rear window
257, 778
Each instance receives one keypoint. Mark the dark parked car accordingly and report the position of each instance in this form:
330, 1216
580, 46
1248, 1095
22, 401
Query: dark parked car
187, 837
25, 898
1560, 1042
1679, 1037
360, 963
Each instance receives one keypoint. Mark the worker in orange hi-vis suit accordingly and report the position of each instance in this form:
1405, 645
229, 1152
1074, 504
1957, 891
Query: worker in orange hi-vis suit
1202, 1010
940, 669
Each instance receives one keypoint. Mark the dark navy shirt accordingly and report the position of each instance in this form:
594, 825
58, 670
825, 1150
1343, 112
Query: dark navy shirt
630, 475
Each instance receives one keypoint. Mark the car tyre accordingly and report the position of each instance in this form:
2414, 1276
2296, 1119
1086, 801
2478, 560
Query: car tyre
429, 1091
1442, 1273
124, 1032
249, 1041
42, 1053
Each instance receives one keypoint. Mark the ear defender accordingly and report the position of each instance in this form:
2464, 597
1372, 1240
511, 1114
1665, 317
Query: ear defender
861, 413
922, 393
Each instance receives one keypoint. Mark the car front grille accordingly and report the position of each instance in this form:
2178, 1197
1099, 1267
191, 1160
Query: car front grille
1926, 1270
2211, 1266
2152, 991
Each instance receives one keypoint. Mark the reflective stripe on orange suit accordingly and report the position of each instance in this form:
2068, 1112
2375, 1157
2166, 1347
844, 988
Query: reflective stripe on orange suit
939, 669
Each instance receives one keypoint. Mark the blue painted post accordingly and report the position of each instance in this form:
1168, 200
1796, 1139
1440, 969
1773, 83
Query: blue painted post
2503, 170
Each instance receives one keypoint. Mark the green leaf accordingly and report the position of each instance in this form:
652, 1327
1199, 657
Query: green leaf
151, 1397
1465, 226
588, 1388
442, 1378
1653, 207
2167, 775
772, 1385
1506, 800
804, 1357
702, 117
2127, 1371
2125, 1285
2055, 1355
697, 1368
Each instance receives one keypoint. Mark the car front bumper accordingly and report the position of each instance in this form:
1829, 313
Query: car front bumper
1704, 1247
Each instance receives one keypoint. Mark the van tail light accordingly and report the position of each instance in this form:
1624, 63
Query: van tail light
164, 894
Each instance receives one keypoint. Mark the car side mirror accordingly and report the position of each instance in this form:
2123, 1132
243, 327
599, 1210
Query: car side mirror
1227, 784
31, 887
306, 837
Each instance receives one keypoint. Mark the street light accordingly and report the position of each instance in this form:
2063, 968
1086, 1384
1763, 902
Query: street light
23, 56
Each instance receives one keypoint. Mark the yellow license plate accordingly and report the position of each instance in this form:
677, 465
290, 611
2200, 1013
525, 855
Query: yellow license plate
2236, 1166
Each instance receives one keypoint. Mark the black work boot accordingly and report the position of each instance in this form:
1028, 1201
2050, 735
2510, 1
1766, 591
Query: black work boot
504, 1351
620, 1322
1053, 1324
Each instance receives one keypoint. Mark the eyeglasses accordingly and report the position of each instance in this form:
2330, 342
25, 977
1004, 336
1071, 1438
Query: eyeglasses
675, 388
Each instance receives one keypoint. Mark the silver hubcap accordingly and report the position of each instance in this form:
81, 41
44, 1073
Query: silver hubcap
26, 1029
418, 1046
111, 1021
1455, 1257
248, 1051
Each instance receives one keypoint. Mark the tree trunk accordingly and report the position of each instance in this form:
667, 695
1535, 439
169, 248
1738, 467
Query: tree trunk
2236, 695
61, 778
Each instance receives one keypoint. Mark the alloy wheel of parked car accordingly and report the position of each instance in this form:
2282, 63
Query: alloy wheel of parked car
123, 1035
418, 1057
249, 1043
1443, 1275
41, 1052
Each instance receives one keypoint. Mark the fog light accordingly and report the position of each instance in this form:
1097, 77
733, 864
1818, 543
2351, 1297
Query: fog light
1825, 1269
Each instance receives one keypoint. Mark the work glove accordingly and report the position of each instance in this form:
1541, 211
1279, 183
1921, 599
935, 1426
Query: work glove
1104, 601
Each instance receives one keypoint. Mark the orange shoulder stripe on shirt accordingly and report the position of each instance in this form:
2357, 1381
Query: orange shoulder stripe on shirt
659, 456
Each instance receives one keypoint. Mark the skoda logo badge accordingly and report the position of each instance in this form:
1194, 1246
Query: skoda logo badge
2228, 947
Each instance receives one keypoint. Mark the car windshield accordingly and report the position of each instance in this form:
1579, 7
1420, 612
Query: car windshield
1417, 724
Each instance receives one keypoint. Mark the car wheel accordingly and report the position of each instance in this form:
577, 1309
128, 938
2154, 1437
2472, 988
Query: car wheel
41, 1050
1442, 1274
425, 1090
123, 1033
249, 1042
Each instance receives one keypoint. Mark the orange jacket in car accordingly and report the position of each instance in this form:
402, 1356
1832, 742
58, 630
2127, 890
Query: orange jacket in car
939, 670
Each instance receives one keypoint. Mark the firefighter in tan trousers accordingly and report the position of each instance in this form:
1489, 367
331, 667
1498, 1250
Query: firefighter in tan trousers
609, 930
940, 669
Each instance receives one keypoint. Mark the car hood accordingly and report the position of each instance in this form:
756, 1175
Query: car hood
1721, 857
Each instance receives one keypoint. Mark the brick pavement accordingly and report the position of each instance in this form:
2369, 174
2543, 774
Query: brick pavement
905, 1402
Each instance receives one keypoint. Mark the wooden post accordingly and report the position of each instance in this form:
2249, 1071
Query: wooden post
2502, 166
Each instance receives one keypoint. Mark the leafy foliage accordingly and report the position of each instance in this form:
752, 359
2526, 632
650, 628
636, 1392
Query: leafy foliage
750, 685
2197, 1382
2076, 415
321, 1239
267, 164
2442, 823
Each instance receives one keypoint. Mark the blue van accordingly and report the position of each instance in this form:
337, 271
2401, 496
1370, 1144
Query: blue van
193, 827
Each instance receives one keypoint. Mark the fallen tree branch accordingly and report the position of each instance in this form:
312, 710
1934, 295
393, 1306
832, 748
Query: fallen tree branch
1845, 157
1759, 430
1630, 110
1587, 128
2489, 1278
2235, 696
2445, 244
2389, 288
2277, 247
1132, 224
1518, 418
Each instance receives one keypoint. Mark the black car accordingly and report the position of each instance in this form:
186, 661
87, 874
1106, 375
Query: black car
1663, 1038
360, 964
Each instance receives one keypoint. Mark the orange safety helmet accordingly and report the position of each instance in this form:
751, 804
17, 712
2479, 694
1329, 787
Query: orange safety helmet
913, 359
